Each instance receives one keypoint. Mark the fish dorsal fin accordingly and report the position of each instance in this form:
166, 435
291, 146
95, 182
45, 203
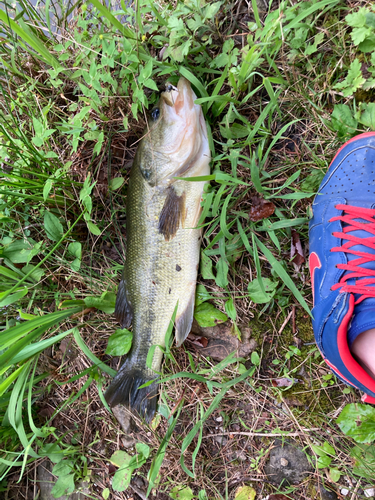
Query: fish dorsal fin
185, 320
123, 308
172, 214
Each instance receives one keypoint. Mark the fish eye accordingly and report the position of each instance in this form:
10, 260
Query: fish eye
155, 113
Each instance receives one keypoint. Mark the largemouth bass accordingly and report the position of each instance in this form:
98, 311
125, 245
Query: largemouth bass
163, 242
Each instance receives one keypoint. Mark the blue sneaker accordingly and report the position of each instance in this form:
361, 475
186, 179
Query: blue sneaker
342, 259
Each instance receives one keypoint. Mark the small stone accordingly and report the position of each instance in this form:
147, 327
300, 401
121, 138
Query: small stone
221, 440
369, 491
219, 419
344, 492
123, 417
296, 470
239, 455
326, 494
127, 441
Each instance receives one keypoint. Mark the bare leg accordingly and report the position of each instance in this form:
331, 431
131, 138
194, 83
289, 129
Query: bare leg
363, 348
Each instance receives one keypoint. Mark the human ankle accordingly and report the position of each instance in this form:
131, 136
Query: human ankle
363, 349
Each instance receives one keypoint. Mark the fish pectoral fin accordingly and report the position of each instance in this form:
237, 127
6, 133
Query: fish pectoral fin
123, 308
172, 214
185, 320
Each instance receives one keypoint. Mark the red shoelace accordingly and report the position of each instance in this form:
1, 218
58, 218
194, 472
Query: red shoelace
364, 277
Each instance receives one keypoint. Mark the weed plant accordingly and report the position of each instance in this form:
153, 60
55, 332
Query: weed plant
281, 86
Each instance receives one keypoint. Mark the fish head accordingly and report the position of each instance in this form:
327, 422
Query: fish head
176, 136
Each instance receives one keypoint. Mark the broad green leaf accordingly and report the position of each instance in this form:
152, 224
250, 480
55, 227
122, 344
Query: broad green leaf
212, 9
343, 121
328, 448
53, 226
120, 458
206, 267
182, 493
143, 449
222, 273
19, 251
353, 81
245, 493
46, 189
151, 84
105, 493
334, 475
230, 309
357, 19
201, 295
63, 468
122, 477
236, 131
63, 486
75, 265
52, 451
35, 273
259, 296
358, 421
324, 461
367, 117
358, 35
119, 343
75, 249
255, 359
93, 228
367, 45
207, 315
116, 183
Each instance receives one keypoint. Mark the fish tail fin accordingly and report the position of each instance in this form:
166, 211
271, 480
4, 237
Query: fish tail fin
125, 390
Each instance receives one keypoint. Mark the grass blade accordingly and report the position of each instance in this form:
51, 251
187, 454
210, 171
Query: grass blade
283, 275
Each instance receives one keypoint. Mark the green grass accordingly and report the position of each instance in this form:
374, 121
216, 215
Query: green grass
280, 91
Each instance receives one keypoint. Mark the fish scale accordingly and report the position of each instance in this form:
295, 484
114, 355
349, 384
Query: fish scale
152, 264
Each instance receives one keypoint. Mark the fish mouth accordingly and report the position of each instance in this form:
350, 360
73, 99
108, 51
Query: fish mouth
180, 99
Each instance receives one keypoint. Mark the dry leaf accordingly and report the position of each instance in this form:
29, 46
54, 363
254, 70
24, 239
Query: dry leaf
260, 208
283, 382
296, 252
197, 340
220, 341
46, 413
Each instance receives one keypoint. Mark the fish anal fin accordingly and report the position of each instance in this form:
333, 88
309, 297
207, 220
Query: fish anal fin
123, 308
172, 214
185, 320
